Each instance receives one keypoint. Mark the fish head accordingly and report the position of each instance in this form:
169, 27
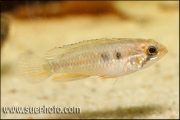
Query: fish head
145, 54
153, 51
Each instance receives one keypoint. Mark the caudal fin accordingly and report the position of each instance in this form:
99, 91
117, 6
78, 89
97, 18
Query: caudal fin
33, 68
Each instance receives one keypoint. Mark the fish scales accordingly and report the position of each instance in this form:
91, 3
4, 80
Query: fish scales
87, 60
99, 57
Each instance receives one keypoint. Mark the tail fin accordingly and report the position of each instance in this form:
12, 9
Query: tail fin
32, 68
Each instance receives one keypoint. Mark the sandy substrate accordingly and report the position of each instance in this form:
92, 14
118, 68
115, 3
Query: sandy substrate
149, 93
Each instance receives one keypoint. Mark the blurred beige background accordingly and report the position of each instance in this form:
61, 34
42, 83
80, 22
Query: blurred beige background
149, 93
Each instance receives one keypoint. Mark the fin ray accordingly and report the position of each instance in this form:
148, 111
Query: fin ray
33, 68
63, 77
107, 77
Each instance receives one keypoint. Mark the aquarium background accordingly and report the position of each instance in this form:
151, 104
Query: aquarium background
36, 27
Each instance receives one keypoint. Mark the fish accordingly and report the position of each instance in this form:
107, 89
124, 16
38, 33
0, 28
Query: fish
104, 57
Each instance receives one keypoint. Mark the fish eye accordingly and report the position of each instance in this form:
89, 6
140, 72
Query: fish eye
152, 50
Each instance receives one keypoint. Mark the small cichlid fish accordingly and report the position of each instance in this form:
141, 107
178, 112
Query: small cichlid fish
107, 58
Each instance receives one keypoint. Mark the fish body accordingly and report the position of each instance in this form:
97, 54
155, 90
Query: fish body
99, 57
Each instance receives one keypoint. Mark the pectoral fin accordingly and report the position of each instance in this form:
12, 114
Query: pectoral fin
64, 77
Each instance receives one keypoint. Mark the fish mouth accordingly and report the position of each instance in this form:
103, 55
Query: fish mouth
164, 51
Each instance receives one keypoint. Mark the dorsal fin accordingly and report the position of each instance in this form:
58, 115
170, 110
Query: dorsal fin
59, 51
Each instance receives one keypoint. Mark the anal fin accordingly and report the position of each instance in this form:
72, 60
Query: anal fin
64, 77
107, 77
